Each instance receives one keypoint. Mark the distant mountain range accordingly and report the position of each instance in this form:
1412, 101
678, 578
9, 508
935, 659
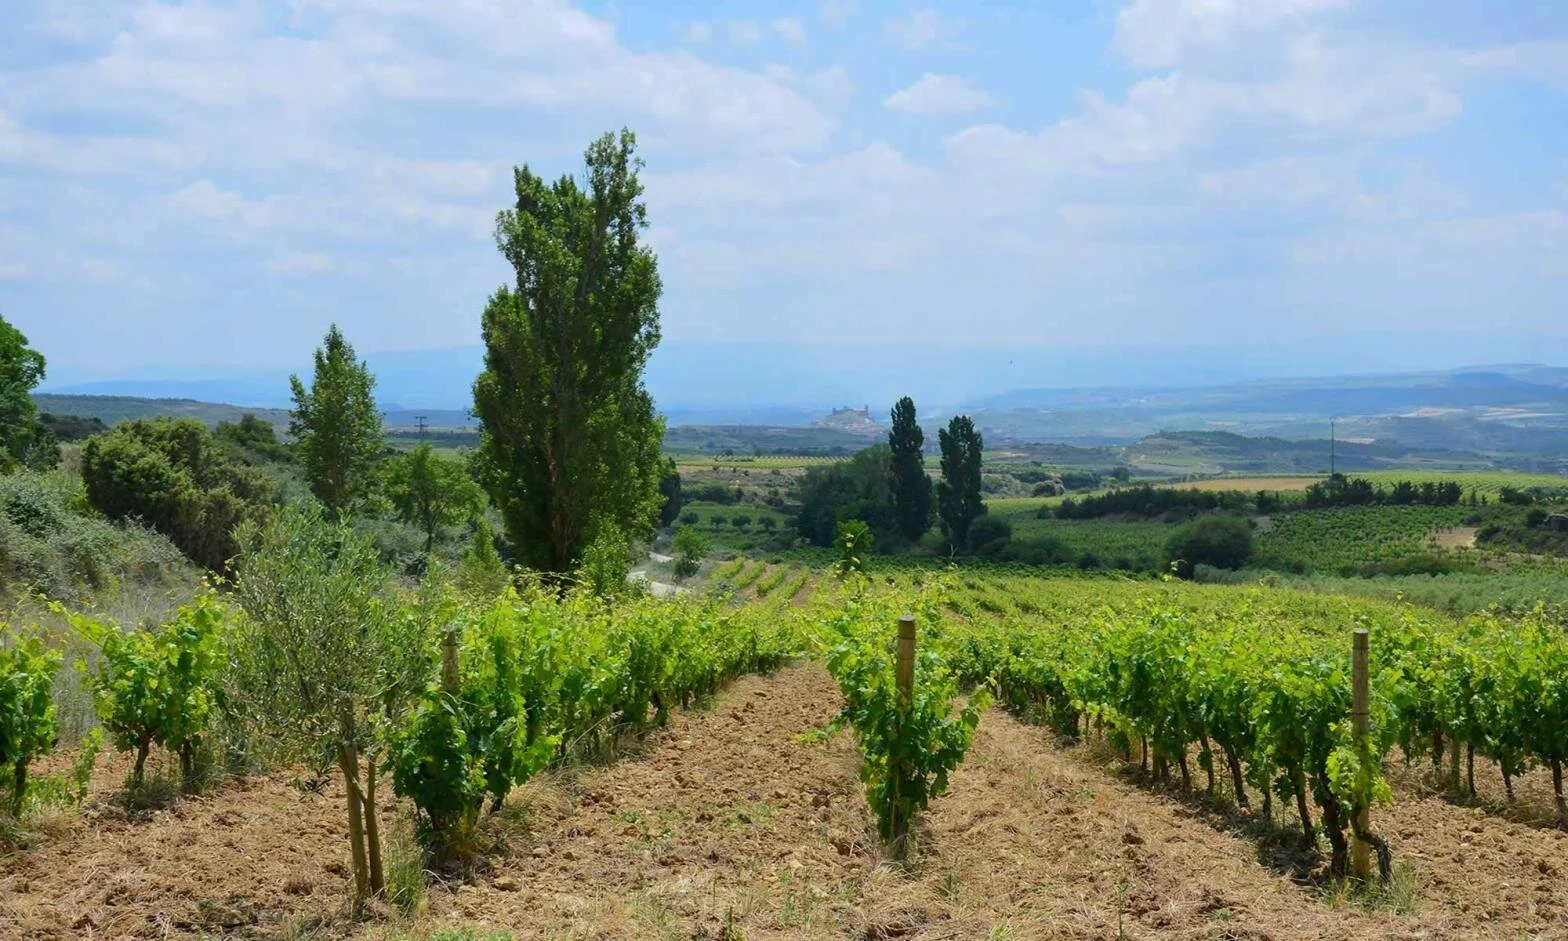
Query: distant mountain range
795, 382
1516, 409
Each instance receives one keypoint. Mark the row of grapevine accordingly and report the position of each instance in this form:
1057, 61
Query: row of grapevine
1256, 684
911, 734
533, 673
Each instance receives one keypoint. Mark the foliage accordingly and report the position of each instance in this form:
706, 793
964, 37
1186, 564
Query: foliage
28, 726
172, 475
854, 542
912, 492
538, 670
67, 788
431, 491
989, 536
1146, 501
909, 748
857, 489
336, 426
156, 686
958, 498
311, 650
53, 543
690, 549
1337, 490
1360, 540
670, 493
23, 439
71, 428
481, 573
254, 440
569, 439
606, 563
1220, 540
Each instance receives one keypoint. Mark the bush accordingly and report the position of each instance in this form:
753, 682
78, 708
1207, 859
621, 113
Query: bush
690, 547
173, 475
989, 535
28, 725
156, 687
1216, 539
53, 543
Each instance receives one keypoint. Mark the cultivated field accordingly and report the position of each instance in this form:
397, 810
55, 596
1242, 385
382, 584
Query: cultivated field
1486, 483
733, 820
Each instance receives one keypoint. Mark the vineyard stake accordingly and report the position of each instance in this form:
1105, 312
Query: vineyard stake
1360, 849
906, 660
904, 677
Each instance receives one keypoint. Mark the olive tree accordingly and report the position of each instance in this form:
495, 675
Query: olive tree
312, 649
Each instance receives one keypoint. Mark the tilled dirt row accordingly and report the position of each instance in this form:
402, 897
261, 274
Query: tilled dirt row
730, 823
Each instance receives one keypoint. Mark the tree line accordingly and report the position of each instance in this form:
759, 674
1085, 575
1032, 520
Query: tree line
885, 493
1358, 491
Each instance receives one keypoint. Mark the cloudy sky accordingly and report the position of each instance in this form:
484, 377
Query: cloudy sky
208, 184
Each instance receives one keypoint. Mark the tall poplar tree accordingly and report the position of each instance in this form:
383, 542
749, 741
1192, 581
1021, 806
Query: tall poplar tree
958, 494
570, 442
911, 486
337, 426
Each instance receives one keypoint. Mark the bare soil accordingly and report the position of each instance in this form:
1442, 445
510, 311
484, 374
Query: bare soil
729, 824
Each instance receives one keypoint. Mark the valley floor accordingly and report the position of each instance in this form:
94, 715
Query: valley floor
729, 820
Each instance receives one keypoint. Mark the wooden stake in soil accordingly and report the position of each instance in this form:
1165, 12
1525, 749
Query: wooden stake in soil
1360, 849
906, 660
904, 677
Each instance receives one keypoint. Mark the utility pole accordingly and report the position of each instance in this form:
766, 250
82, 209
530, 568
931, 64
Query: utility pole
1331, 447
419, 420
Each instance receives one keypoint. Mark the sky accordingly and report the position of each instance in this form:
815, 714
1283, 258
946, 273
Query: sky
194, 187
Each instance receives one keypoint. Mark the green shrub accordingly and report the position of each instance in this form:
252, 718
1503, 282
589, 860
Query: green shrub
28, 727
156, 687
1217, 539
172, 474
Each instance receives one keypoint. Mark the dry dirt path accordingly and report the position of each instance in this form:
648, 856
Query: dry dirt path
728, 818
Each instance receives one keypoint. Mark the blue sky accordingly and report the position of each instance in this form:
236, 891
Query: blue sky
186, 186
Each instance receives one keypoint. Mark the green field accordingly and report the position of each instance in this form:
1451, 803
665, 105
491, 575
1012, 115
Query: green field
768, 461
1358, 540
716, 521
1484, 483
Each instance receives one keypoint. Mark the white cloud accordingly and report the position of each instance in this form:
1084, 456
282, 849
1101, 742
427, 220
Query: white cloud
838, 13
301, 264
1348, 185
924, 29
743, 31
1536, 241
1161, 33
934, 94
699, 33
13, 270
790, 29
204, 199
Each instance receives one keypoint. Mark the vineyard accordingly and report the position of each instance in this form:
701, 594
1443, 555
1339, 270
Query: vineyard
1182, 750
1356, 540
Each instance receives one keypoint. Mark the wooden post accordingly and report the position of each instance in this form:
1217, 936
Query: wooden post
451, 680
1360, 850
906, 659
904, 677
